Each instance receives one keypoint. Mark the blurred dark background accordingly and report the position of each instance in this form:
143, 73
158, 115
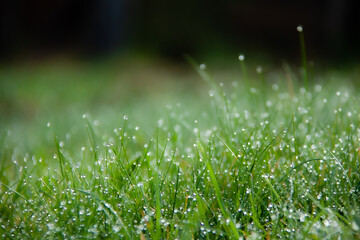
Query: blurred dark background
170, 29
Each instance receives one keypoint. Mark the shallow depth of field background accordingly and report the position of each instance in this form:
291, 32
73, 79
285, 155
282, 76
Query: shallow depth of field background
39, 35
108, 58
38, 29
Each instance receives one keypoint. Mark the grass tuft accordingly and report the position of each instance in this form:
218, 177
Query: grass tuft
268, 161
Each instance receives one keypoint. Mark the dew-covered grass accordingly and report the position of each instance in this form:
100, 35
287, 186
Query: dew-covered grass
252, 158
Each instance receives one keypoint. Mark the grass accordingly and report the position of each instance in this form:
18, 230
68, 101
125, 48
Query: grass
250, 160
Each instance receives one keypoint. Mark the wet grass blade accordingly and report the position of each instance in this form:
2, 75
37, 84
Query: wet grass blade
221, 203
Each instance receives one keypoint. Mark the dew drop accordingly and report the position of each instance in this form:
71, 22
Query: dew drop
355, 226
259, 69
160, 122
116, 228
51, 226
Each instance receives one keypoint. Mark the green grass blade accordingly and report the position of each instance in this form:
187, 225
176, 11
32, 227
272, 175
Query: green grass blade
220, 200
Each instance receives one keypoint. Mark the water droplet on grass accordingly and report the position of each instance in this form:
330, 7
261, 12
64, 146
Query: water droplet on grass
116, 228
275, 87
355, 226
259, 69
51, 226
160, 122
326, 223
317, 88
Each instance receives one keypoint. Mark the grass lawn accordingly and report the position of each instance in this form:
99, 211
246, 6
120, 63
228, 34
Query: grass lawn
142, 150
